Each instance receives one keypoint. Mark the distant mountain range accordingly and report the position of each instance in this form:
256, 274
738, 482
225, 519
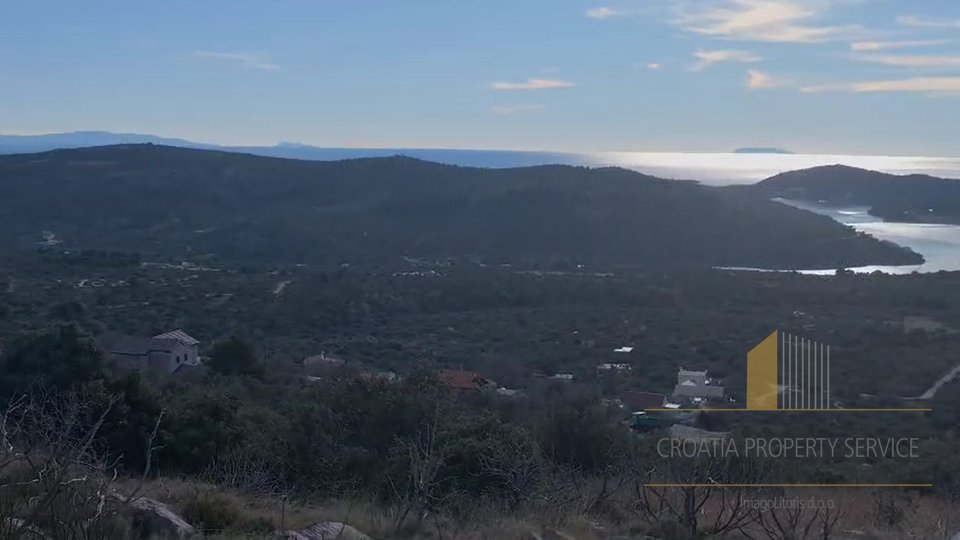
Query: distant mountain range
181, 202
912, 198
14, 144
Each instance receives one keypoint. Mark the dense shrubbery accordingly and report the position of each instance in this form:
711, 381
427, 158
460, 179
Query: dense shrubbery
346, 434
413, 446
252, 422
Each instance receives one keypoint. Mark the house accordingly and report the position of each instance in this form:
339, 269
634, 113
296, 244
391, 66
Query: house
509, 392
613, 369
467, 381
187, 340
162, 355
380, 376
613, 403
641, 401
696, 377
323, 360
696, 385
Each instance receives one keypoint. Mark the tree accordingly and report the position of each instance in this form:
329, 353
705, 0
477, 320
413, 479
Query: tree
701, 494
203, 424
235, 357
53, 482
62, 359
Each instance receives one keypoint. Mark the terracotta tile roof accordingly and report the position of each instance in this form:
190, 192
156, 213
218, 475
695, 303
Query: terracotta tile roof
638, 401
462, 380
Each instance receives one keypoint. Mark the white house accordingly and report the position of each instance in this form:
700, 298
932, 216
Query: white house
193, 356
323, 361
696, 385
614, 369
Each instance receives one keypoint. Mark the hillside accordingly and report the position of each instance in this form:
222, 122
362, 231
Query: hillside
180, 202
912, 198
19, 144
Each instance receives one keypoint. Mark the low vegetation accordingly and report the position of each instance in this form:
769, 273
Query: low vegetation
248, 445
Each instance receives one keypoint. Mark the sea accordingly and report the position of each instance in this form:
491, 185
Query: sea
708, 168
938, 243
736, 168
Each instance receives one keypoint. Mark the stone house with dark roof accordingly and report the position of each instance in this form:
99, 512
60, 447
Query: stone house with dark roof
696, 385
162, 355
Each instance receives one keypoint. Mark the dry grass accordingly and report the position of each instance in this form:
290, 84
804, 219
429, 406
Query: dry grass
921, 518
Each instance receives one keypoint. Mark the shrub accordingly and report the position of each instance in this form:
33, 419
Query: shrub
211, 513
214, 513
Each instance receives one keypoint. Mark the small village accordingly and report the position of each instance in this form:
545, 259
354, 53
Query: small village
176, 354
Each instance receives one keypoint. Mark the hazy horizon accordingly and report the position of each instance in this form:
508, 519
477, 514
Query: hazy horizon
775, 150
714, 168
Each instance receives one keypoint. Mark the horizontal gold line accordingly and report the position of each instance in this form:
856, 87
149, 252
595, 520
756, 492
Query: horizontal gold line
788, 410
789, 485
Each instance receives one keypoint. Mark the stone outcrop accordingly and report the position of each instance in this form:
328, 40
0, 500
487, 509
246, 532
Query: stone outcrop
157, 520
327, 530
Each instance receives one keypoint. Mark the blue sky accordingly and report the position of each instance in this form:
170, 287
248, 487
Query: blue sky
837, 76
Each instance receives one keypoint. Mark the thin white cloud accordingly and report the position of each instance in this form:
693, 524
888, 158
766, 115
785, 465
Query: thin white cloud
868, 46
505, 110
708, 58
532, 84
783, 21
757, 80
923, 22
911, 61
603, 13
921, 84
246, 60
654, 65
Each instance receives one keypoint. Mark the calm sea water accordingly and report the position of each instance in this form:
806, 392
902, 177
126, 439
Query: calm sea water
725, 169
939, 244
714, 168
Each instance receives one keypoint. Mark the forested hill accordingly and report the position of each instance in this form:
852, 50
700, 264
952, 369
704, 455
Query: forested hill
912, 198
179, 202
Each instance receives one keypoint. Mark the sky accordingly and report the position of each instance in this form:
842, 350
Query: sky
875, 77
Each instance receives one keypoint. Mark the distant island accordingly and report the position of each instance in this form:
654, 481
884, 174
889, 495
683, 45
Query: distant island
761, 151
